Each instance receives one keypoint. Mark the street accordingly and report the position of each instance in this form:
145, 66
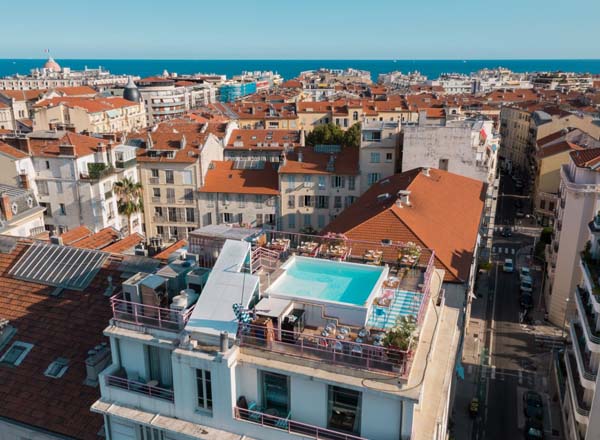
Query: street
502, 356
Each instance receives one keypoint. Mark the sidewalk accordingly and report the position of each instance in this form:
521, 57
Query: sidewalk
473, 355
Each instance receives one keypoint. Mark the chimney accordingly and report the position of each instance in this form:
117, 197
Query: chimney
149, 142
426, 171
56, 239
98, 359
302, 138
404, 197
300, 157
6, 206
109, 152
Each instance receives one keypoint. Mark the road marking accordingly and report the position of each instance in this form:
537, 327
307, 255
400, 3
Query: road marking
520, 376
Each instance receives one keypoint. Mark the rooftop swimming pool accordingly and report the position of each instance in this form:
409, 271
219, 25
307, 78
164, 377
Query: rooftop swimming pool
325, 280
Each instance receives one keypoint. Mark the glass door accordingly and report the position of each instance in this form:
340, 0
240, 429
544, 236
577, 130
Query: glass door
275, 394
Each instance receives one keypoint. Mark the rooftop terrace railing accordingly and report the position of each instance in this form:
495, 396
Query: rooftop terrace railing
386, 360
140, 387
291, 426
148, 316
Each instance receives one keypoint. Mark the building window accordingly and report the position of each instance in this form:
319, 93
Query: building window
291, 221
63, 209
542, 204
321, 221
204, 388
291, 179
373, 178
322, 181
351, 183
291, 202
169, 176
322, 202
306, 219
443, 164
375, 157
172, 212
43, 187
343, 409
388, 157
190, 215
259, 201
551, 206
170, 195
227, 217
276, 392
355, 116
186, 176
208, 218
241, 200
148, 433
156, 193
47, 165
16, 353
307, 180
259, 219
210, 201
337, 181
160, 230
188, 195
305, 201
337, 202
154, 172
372, 136
57, 368
349, 200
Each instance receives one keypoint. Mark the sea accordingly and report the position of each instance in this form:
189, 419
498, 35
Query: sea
291, 68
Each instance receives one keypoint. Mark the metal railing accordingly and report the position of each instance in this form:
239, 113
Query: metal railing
148, 316
386, 360
583, 358
577, 391
290, 426
140, 387
587, 317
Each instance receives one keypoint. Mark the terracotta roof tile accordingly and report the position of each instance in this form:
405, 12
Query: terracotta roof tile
345, 163
99, 240
164, 255
12, 151
222, 177
124, 244
65, 326
45, 147
556, 148
588, 158
23, 95
90, 105
75, 90
249, 139
75, 234
444, 215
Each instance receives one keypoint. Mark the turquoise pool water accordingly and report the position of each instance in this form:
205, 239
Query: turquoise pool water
327, 280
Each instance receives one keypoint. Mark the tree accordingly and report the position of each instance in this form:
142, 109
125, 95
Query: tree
130, 198
328, 134
400, 335
352, 136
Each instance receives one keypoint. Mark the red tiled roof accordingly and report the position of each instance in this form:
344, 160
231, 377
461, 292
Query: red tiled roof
99, 240
444, 215
251, 139
76, 90
45, 147
556, 148
75, 234
11, 151
588, 158
124, 244
164, 255
345, 163
223, 178
65, 326
23, 95
91, 105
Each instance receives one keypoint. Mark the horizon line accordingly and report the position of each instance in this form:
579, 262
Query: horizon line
311, 59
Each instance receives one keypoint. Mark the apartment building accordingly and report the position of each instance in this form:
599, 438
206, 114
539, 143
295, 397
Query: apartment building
317, 184
579, 186
20, 213
20, 103
202, 373
90, 115
173, 159
6, 118
72, 176
242, 192
514, 132
379, 152
552, 152
165, 99
259, 115
264, 145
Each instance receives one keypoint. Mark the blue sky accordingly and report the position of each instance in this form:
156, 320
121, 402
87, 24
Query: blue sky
301, 29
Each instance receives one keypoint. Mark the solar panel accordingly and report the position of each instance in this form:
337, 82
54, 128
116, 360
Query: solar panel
56, 265
324, 148
243, 164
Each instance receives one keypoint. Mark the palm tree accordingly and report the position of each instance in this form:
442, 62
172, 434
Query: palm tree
130, 198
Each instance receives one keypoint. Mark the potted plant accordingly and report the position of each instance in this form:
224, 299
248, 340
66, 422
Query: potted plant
399, 337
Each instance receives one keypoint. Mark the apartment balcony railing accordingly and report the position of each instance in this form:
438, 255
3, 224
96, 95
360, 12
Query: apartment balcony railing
154, 180
126, 163
148, 316
140, 387
159, 218
329, 350
291, 426
583, 356
581, 407
155, 199
585, 310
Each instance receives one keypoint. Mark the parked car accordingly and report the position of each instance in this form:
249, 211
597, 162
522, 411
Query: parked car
525, 272
526, 284
508, 267
526, 300
534, 430
533, 406
506, 232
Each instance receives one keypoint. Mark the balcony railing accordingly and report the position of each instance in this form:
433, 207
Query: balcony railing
588, 318
140, 387
148, 316
291, 426
126, 163
583, 356
577, 390
330, 350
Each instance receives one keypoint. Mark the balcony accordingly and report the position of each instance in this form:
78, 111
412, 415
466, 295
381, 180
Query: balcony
148, 316
588, 376
151, 389
154, 181
108, 194
126, 163
380, 359
155, 199
290, 426
587, 317
582, 409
